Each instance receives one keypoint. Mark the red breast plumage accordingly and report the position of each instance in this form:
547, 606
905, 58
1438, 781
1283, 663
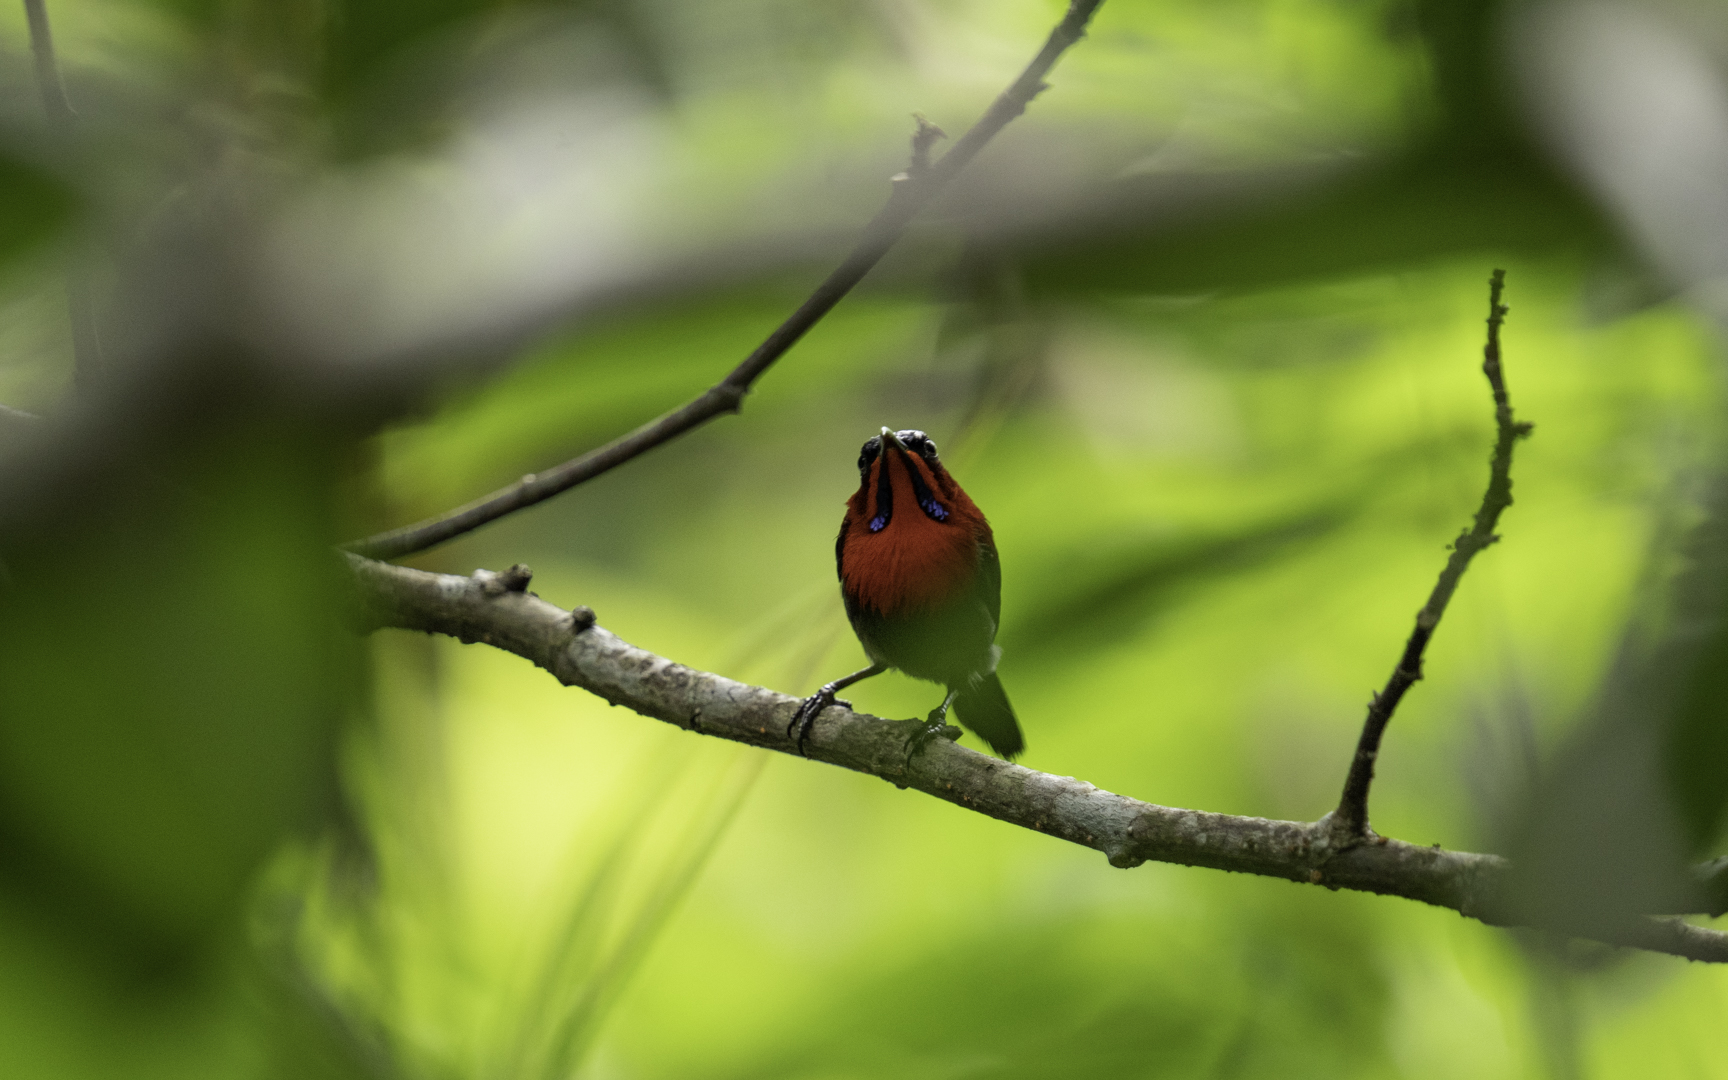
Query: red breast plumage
912, 560
922, 585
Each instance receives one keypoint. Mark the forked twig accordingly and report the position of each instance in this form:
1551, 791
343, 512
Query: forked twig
1350, 820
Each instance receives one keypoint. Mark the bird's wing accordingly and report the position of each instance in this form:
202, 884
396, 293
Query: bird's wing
840, 548
989, 583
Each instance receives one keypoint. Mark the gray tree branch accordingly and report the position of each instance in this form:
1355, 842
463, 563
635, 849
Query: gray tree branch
497, 610
912, 190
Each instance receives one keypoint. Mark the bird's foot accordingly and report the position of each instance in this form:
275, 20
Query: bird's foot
927, 731
805, 718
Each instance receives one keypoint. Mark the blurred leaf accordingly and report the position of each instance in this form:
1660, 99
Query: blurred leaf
362, 34
172, 673
169, 680
372, 43
202, 13
1185, 234
396, 954
1462, 39
1640, 789
584, 974
1694, 667
1141, 585
34, 207
1105, 995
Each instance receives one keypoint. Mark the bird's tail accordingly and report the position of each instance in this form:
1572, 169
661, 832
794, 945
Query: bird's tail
982, 705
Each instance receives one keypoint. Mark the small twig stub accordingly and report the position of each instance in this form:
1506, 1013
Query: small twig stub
923, 139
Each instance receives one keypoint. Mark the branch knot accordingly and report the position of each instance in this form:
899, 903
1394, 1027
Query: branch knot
727, 396
515, 579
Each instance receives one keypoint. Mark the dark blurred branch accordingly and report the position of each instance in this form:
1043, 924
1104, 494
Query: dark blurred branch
912, 190
47, 71
497, 610
1351, 818
86, 346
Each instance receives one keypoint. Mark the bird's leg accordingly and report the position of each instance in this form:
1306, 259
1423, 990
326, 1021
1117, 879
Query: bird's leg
934, 727
813, 705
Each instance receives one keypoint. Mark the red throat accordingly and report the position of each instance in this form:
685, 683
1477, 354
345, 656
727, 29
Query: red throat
914, 562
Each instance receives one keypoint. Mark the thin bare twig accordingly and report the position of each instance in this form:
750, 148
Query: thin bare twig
47, 70
913, 189
80, 306
1351, 817
497, 610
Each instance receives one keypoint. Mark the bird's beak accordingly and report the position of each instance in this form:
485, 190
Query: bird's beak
891, 439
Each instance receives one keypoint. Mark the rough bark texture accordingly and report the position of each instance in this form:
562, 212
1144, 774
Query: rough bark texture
496, 609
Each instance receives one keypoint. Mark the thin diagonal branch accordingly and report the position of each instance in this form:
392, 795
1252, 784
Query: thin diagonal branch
1351, 817
913, 189
497, 610
53, 91
12, 417
80, 305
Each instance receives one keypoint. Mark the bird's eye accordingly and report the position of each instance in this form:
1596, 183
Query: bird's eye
919, 443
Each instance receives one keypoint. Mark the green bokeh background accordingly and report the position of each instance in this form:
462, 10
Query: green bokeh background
1222, 458
1212, 552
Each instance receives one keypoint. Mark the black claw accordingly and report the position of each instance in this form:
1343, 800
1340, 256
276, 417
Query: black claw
927, 731
805, 718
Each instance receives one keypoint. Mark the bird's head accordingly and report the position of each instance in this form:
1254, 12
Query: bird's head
903, 461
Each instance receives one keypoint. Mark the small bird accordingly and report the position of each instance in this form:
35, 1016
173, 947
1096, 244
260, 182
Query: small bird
923, 590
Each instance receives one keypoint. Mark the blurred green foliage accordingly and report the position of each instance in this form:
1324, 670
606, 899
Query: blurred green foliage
1203, 581
1201, 334
34, 206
